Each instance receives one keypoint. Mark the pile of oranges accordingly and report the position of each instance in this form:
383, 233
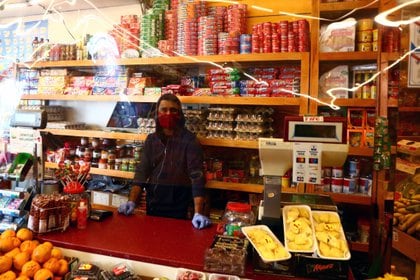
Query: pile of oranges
24, 258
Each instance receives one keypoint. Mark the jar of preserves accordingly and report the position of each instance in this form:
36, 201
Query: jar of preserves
103, 164
137, 152
104, 154
111, 155
236, 216
132, 165
118, 163
124, 165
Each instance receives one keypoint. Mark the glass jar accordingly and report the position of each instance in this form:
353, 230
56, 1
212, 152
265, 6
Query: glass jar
236, 216
137, 152
104, 154
103, 164
118, 163
111, 155
132, 165
124, 165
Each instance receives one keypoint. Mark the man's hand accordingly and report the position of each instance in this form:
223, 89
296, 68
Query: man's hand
127, 208
200, 221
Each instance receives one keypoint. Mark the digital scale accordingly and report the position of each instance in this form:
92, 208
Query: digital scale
276, 156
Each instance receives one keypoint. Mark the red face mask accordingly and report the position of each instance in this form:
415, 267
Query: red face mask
169, 121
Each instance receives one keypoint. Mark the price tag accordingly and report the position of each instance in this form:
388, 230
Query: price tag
313, 119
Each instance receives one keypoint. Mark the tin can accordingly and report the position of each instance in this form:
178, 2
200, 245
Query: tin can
349, 185
337, 185
337, 172
365, 185
327, 184
354, 168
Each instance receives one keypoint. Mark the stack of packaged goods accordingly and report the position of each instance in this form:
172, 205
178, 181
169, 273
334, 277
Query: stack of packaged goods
126, 34
110, 82
152, 28
28, 81
52, 81
281, 81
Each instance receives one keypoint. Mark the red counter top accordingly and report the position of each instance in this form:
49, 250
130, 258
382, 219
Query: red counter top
164, 241
156, 240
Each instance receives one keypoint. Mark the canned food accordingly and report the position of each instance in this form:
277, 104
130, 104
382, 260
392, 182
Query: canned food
364, 36
365, 24
349, 185
365, 185
364, 47
337, 185
337, 172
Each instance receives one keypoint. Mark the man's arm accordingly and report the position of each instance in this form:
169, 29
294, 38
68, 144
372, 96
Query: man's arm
199, 204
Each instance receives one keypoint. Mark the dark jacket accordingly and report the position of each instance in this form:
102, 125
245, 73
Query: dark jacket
171, 171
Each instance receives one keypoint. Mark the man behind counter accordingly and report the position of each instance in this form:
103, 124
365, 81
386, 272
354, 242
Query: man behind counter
170, 169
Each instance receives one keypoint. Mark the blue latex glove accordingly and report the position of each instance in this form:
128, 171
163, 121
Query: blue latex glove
200, 221
127, 208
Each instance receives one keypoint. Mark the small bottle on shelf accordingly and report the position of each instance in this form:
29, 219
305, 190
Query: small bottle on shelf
81, 215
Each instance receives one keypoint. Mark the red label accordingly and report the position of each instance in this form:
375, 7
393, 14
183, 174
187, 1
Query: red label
322, 267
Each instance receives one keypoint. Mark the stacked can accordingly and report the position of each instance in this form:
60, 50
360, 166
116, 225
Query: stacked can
337, 179
236, 19
391, 39
303, 35
222, 45
364, 35
190, 40
283, 34
170, 32
130, 26
219, 14
181, 17
151, 30
245, 43
207, 36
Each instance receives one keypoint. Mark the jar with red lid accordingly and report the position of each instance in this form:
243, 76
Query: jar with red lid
237, 215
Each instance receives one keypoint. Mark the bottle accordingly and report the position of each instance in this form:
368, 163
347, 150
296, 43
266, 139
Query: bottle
81, 215
35, 43
254, 170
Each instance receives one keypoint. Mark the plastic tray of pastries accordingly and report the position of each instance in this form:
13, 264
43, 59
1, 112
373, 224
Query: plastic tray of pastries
266, 243
329, 234
298, 229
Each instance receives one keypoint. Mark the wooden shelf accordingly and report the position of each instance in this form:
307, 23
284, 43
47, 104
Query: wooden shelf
392, 103
360, 151
359, 247
97, 134
142, 137
226, 100
350, 102
99, 171
348, 56
347, 6
406, 245
358, 199
406, 166
253, 188
393, 56
176, 60
409, 109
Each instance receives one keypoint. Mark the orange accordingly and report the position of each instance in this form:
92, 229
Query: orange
8, 233
48, 244
28, 246
24, 234
52, 264
12, 253
30, 268
56, 253
43, 274
6, 244
41, 253
16, 242
20, 259
8, 275
64, 267
23, 277
5, 263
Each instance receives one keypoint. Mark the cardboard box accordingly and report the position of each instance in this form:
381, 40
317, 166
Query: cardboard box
409, 147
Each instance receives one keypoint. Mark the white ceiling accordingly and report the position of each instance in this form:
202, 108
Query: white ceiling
13, 8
